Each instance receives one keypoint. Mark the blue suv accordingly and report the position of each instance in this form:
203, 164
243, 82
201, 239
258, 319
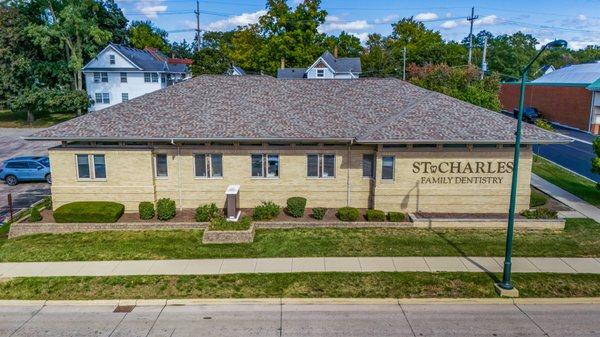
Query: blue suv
19, 169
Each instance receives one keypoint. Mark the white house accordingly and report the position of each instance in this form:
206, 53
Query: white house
235, 71
118, 74
326, 66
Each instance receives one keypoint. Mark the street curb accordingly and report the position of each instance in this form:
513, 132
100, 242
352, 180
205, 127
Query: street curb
300, 301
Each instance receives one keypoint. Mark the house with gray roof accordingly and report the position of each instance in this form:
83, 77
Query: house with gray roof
366, 143
327, 66
569, 96
119, 73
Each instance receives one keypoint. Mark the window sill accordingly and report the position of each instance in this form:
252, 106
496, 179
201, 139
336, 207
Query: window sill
320, 178
208, 178
264, 178
91, 179
162, 178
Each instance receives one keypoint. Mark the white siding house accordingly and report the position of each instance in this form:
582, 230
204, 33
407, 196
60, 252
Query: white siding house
325, 67
118, 74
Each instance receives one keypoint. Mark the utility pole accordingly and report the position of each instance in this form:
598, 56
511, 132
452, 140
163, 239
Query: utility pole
197, 12
404, 63
471, 18
483, 60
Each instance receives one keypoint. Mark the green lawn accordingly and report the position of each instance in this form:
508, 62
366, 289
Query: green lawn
580, 238
566, 180
9, 119
374, 285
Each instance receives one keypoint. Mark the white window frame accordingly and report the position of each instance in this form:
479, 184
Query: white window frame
104, 76
321, 165
124, 97
147, 78
393, 168
265, 166
154, 77
111, 59
123, 76
91, 166
208, 167
96, 100
97, 77
156, 166
105, 98
321, 72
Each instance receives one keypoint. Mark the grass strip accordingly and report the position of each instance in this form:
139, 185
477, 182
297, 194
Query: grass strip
581, 238
355, 285
583, 188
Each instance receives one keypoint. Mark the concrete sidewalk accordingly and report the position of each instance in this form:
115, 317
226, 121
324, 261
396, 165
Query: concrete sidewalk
300, 264
566, 198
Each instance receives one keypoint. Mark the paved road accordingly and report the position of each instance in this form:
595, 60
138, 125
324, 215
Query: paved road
575, 156
12, 145
304, 320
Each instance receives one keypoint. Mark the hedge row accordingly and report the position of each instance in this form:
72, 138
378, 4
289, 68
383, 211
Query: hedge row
89, 211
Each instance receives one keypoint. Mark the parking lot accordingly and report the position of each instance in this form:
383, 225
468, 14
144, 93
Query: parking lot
23, 194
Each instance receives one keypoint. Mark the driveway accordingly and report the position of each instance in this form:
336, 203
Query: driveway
575, 156
11, 145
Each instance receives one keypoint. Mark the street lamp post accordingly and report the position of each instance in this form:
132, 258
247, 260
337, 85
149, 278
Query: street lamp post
506, 282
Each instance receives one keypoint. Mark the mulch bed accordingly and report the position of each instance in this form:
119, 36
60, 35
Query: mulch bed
284, 217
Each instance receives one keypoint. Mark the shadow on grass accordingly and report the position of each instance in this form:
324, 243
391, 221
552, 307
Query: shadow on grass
462, 253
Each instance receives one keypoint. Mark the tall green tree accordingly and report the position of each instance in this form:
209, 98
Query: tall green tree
182, 49
375, 60
347, 45
144, 34
423, 45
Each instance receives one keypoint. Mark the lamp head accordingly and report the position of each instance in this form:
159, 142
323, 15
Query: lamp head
557, 44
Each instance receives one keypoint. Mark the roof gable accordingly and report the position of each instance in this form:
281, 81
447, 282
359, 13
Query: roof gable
102, 61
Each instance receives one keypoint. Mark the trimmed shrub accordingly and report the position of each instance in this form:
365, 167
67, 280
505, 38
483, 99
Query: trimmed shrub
375, 215
165, 209
544, 124
296, 206
537, 199
89, 211
319, 213
219, 223
146, 210
267, 211
34, 215
539, 213
396, 216
348, 214
206, 212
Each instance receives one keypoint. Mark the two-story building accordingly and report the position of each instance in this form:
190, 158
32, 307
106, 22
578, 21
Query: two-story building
327, 66
118, 74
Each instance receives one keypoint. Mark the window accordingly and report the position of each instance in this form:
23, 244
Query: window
98, 98
105, 98
104, 77
208, 165
161, 165
124, 97
265, 165
95, 171
155, 77
34, 166
320, 72
16, 165
368, 166
123, 77
387, 168
96, 77
320, 165
111, 59
147, 77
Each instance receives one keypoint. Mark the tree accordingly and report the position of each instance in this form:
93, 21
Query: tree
424, 46
375, 60
507, 54
182, 49
463, 83
39, 102
347, 45
596, 160
587, 55
210, 61
144, 34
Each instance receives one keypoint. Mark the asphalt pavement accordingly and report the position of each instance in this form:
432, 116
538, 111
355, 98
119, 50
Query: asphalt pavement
575, 156
26, 193
283, 319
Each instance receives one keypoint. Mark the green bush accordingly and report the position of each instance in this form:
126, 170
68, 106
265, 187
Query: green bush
219, 223
375, 215
89, 211
206, 212
296, 206
146, 210
348, 214
544, 124
319, 213
537, 199
34, 215
165, 209
539, 213
396, 216
266, 211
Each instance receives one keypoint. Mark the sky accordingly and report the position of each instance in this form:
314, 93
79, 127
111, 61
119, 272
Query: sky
576, 21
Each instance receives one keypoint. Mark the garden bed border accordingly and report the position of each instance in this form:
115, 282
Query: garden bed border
499, 223
232, 236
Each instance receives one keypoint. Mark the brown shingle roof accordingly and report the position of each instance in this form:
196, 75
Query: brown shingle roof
265, 108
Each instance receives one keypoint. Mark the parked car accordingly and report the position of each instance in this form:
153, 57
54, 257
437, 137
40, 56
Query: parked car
530, 114
20, 169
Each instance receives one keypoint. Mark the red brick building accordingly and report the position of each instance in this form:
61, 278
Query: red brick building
569, 96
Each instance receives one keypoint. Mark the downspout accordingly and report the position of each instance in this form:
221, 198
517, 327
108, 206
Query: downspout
591, 119
179, 173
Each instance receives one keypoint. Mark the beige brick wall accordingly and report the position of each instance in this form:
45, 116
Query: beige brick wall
130, 179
